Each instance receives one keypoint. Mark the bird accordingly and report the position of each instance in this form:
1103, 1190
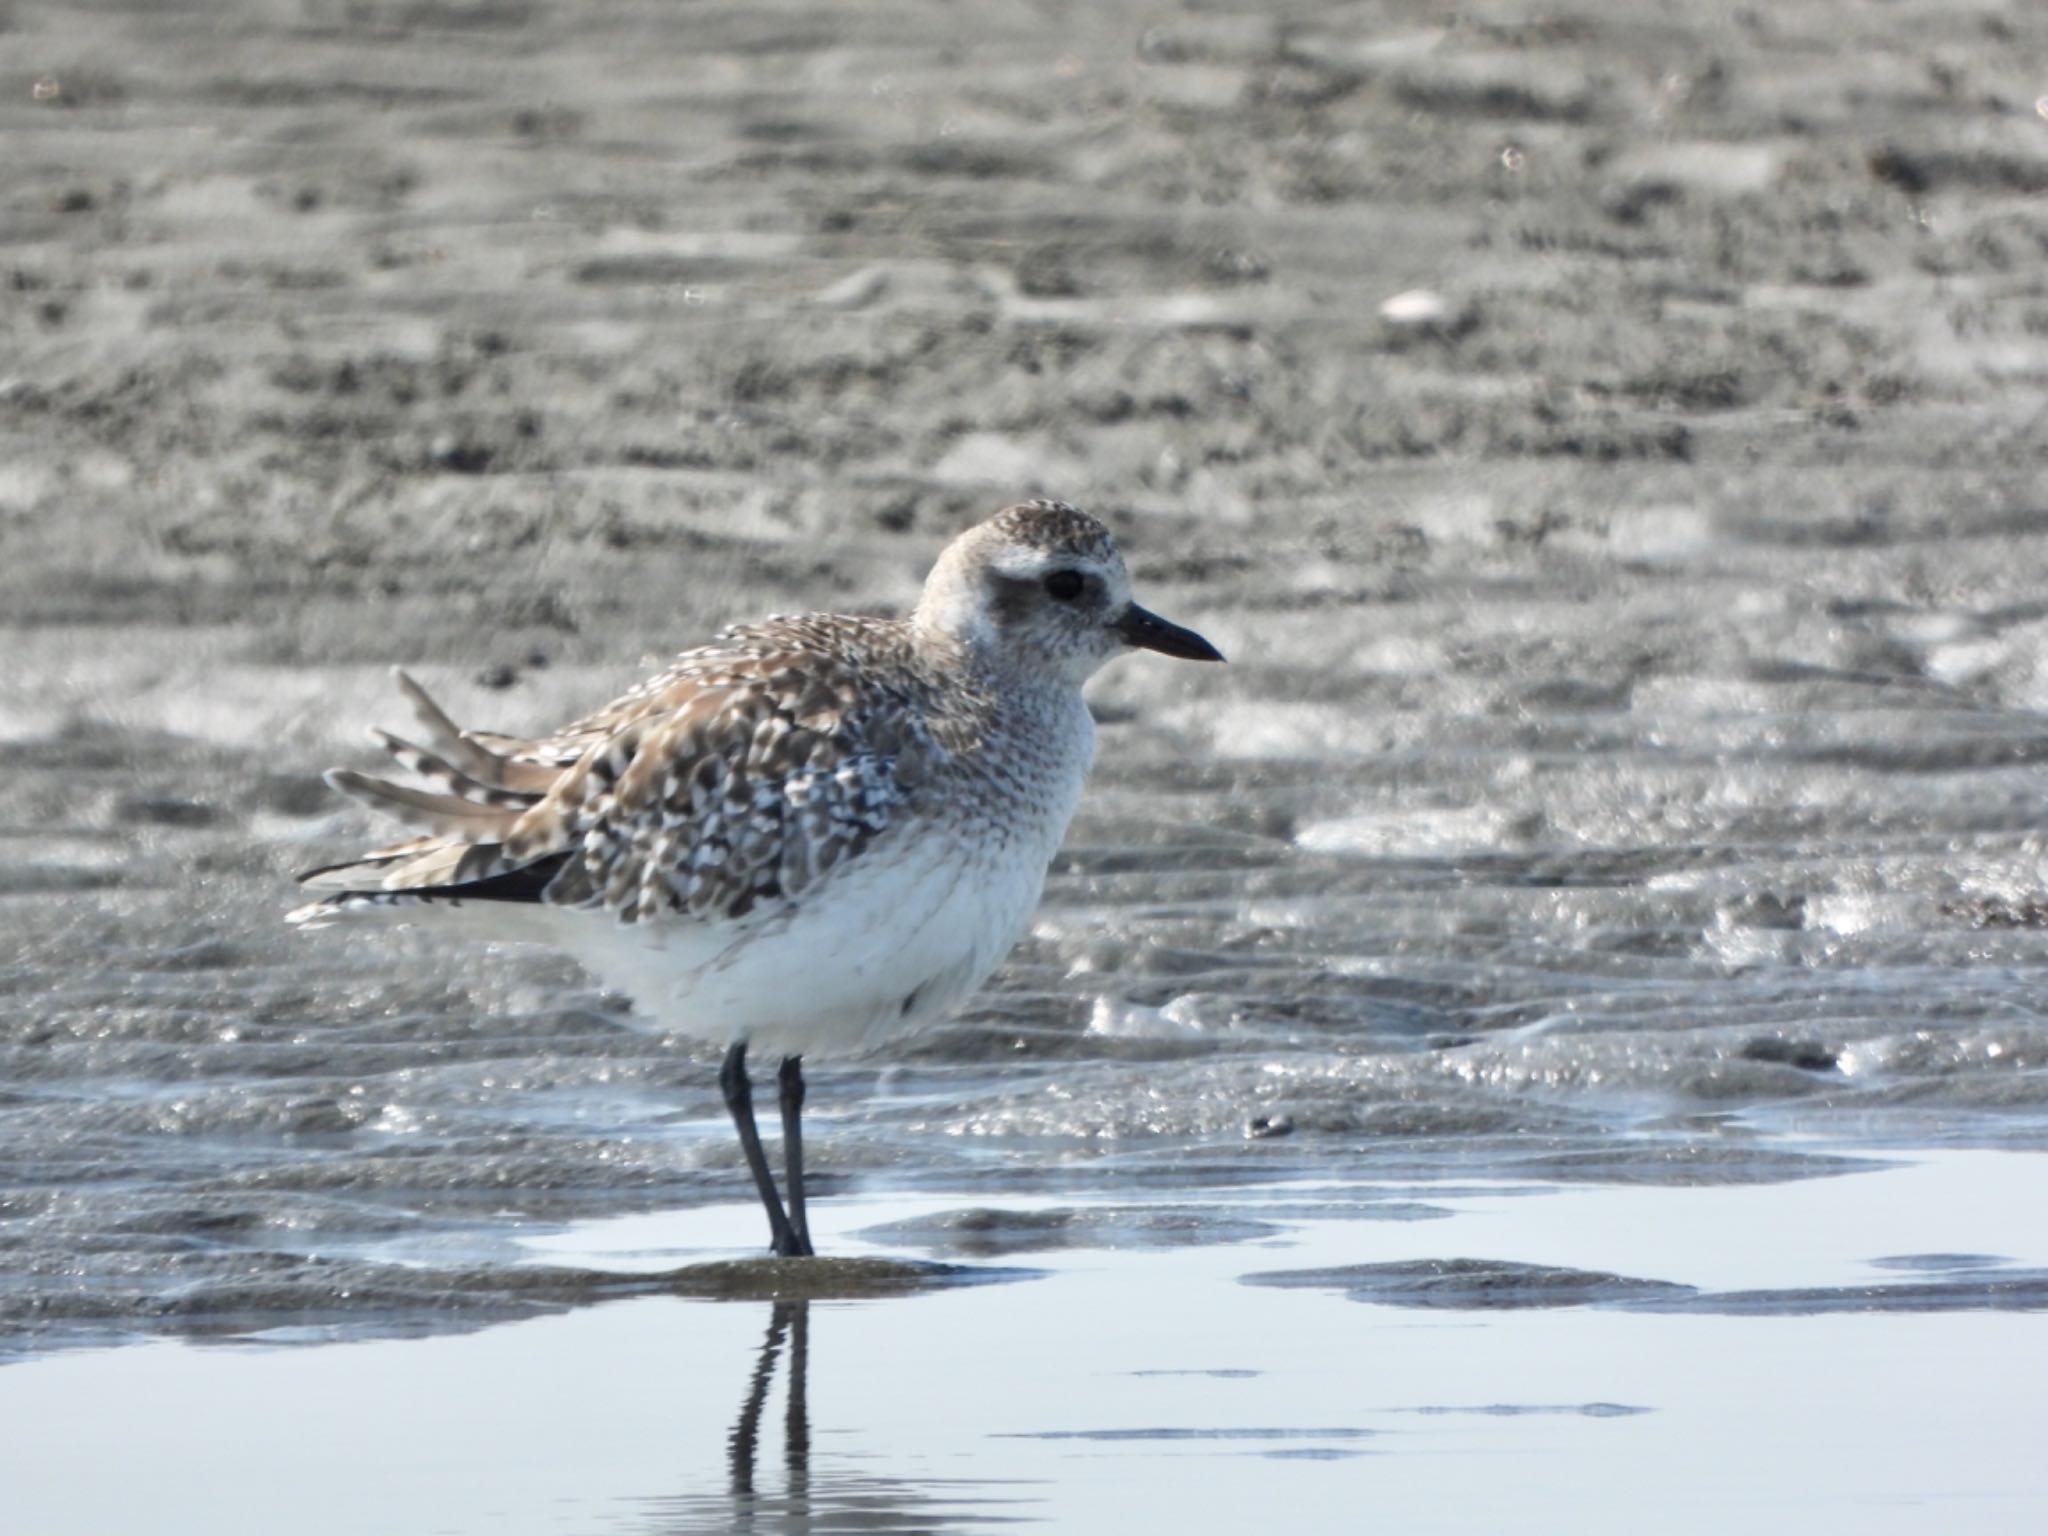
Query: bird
810, 836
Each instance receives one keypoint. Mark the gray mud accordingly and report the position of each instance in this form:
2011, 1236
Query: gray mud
1941, 1283
1632, 752
1476, 1284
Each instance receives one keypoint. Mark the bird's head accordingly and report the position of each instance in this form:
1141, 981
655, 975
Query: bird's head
1043, 584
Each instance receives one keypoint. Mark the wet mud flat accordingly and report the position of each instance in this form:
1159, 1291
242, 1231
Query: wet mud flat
1626, 788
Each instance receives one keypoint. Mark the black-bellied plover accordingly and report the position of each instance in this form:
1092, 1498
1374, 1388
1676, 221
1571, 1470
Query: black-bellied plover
811, 835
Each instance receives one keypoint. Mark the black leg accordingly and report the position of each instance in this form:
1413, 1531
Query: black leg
796, 1449
787, 1321
746, 1434
739, 1100
791, 1081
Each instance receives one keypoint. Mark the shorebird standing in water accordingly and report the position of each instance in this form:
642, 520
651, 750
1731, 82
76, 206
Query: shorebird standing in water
811, 835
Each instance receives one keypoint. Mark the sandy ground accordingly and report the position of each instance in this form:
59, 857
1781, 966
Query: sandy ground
519, 341
1653, 596
504, 332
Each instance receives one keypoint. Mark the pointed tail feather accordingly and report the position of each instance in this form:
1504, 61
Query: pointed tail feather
524, 885
444, 733
483, 756
365, 868
477, 793
447, 815
423, 862
455, 780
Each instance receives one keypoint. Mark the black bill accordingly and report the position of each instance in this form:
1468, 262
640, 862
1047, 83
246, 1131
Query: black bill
1150, 632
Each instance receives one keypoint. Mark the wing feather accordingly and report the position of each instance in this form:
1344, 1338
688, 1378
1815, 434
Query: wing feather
448, 815
745, 774
724, 800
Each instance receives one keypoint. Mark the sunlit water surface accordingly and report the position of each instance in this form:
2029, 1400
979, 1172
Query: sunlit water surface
1857, 1352
1618, 827
1458, 1093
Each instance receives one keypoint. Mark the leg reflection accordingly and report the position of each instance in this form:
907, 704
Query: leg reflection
796, 1450
843, 1492
788, 1321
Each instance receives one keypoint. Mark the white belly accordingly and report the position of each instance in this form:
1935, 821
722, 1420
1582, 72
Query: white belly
895, 940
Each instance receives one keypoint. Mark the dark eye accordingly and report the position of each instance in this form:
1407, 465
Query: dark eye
1064, 586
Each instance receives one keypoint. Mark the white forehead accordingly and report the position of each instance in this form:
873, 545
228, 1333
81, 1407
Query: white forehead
965, 597
1022, 561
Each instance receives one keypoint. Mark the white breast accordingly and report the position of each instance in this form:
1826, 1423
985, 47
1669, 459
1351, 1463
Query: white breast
888, 947
895, 939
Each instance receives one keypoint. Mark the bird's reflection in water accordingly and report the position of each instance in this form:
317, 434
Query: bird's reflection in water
791, 1320
834, 1498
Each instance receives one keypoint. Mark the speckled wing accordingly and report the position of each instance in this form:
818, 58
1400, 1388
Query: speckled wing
744, 775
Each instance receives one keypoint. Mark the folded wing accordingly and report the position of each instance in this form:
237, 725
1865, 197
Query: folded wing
736, 779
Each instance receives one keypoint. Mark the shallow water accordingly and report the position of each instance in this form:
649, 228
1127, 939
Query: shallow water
1890, 1384
1247, 970
1618, 826
1629, 768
